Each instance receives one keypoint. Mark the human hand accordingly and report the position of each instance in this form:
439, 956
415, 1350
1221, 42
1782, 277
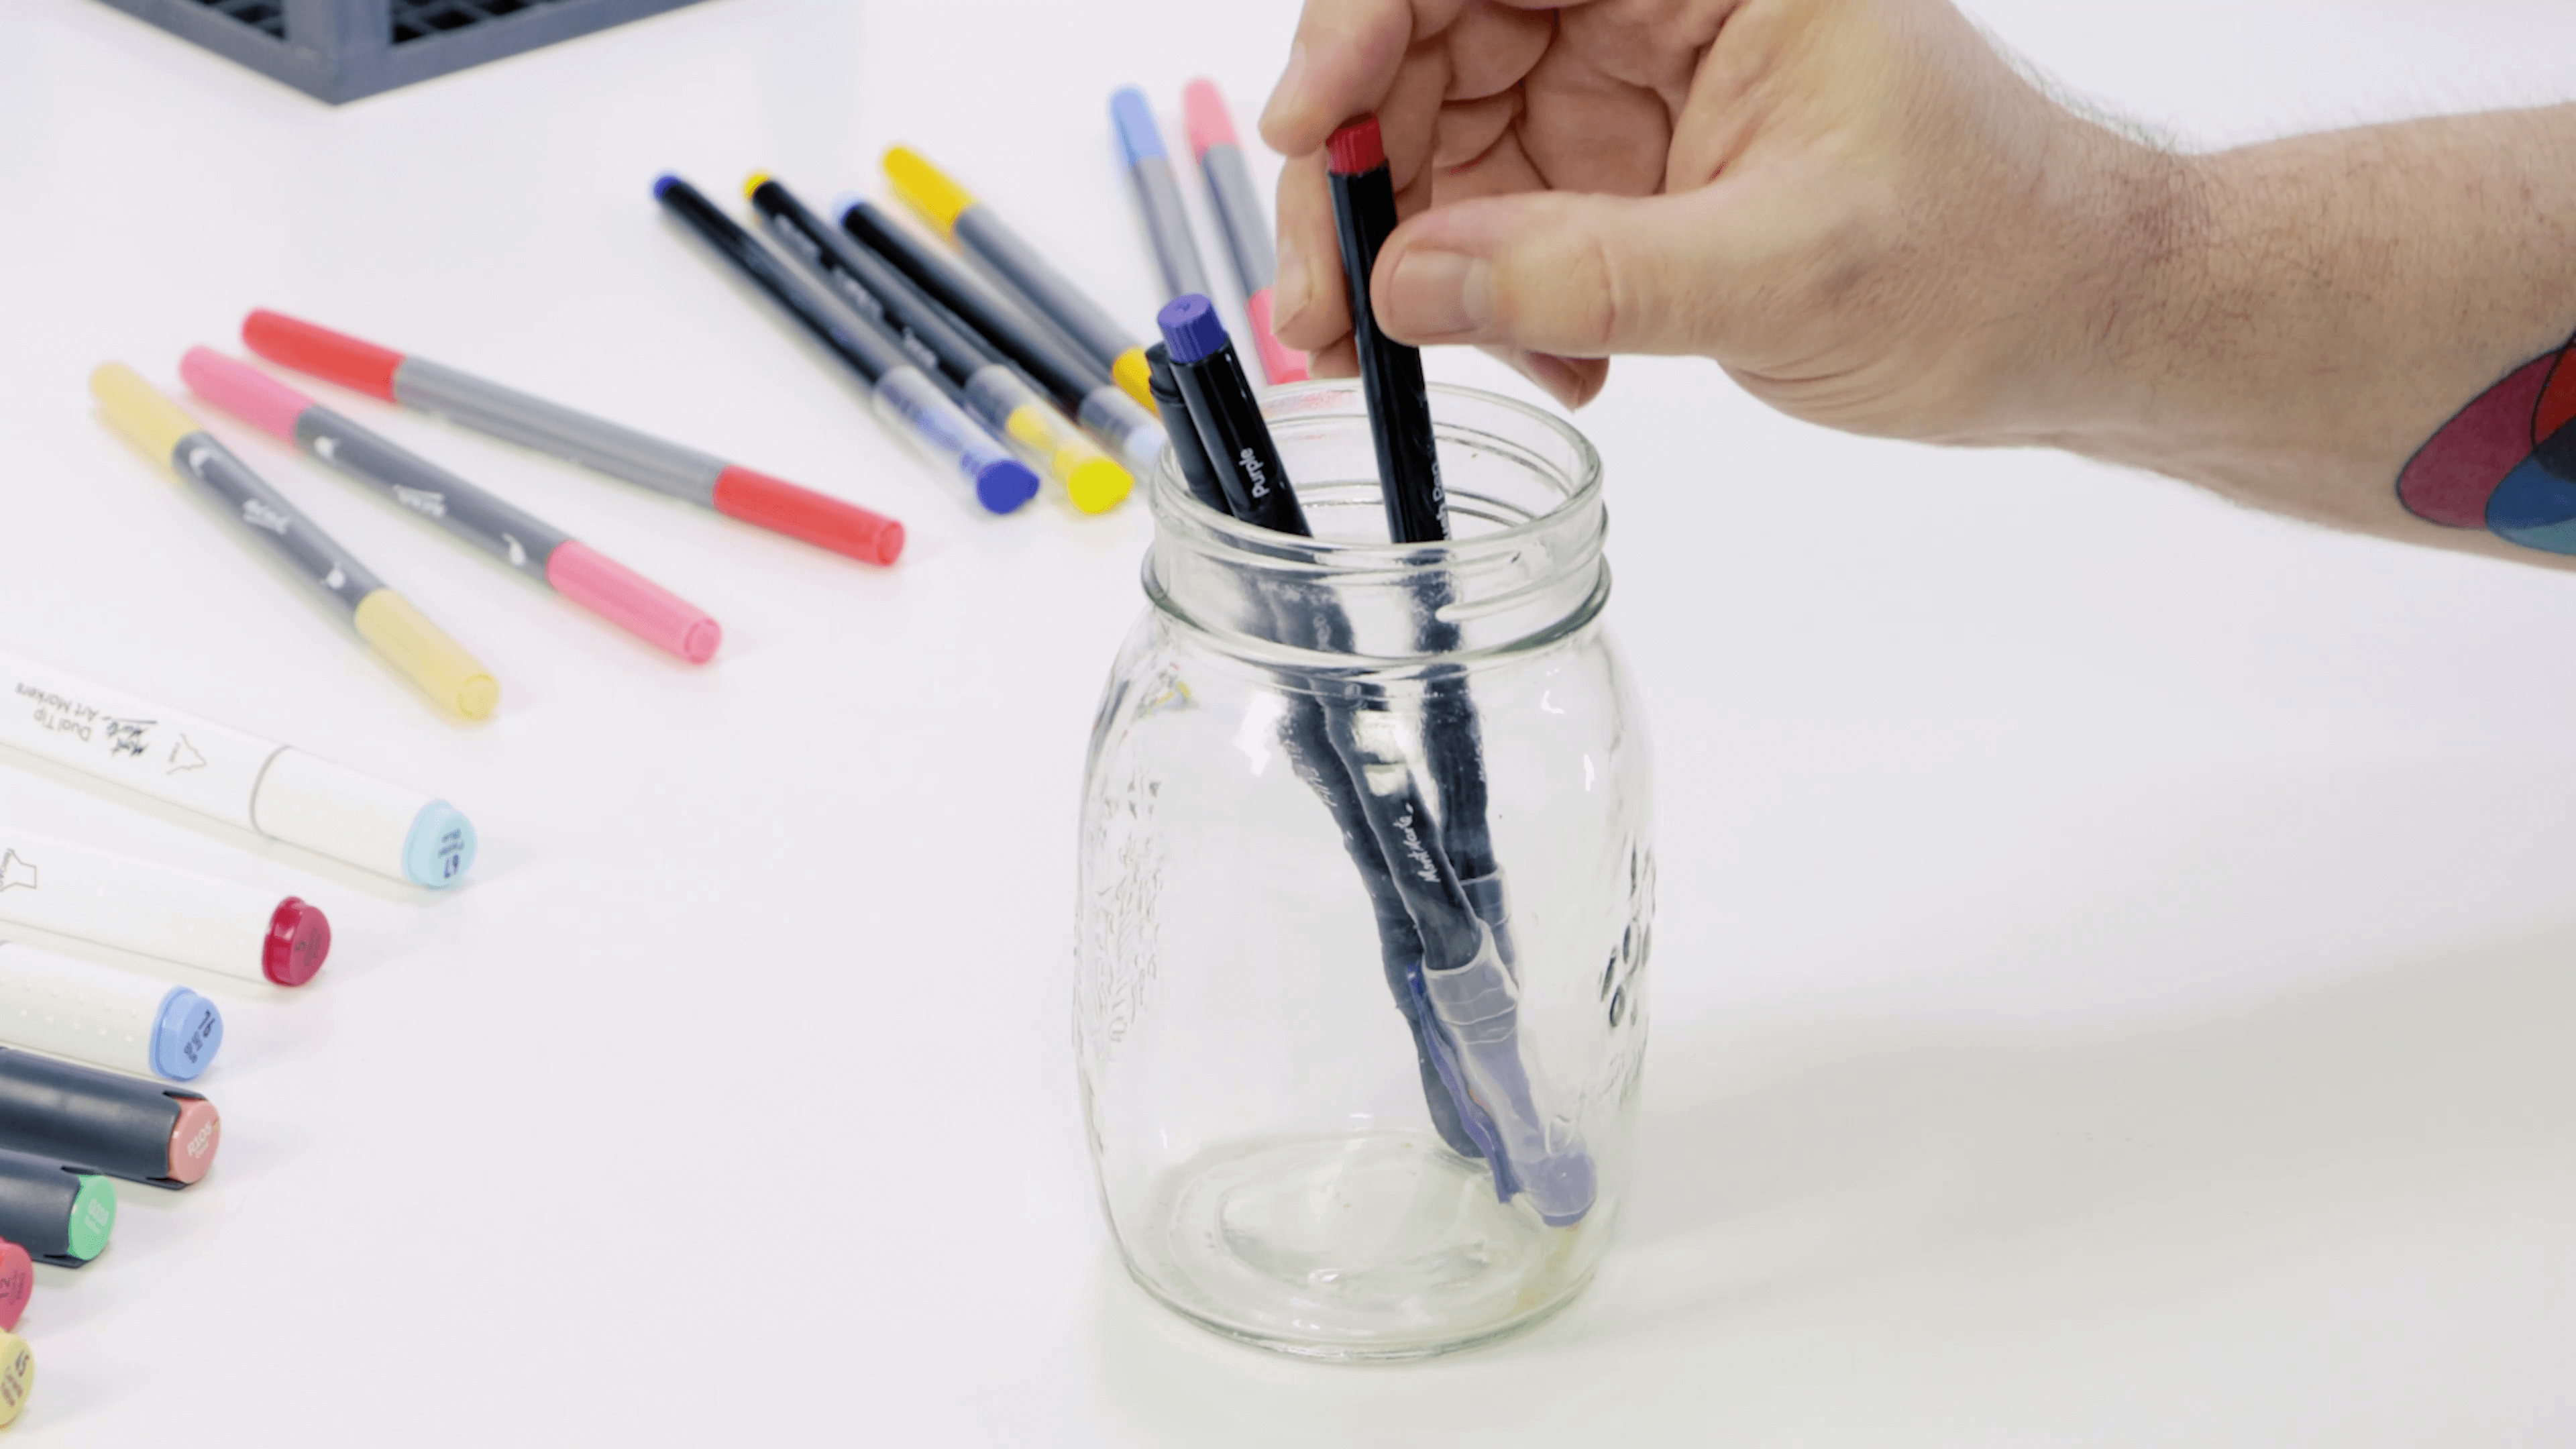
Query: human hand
1856, 207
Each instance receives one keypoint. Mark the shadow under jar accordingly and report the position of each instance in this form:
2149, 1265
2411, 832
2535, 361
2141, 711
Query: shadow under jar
1367, 878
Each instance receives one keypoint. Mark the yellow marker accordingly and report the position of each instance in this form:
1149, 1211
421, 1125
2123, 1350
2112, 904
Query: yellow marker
382, 617
1035, 284
926, 188
1135, 378
1042, 435
425, 655
17, 1377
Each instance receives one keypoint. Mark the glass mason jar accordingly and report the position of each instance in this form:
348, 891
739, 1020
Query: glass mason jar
1367, 877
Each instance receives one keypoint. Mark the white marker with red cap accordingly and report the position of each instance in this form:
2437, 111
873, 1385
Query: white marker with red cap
159, 910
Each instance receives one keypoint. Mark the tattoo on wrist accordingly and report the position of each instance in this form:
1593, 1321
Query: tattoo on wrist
2507, 461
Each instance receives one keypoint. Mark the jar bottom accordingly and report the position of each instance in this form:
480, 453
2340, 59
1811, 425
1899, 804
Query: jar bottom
1369, 1245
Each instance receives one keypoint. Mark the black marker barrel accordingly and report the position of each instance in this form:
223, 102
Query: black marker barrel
870, 353
58, 1214
1188, 453
102, 1121
1399, 401
1086, 394
1228, 416
871, 285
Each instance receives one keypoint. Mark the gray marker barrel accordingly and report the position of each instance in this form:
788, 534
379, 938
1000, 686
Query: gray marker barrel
1045, 289
1158, 194
575, 437
266, 516
494, 525
1239, 211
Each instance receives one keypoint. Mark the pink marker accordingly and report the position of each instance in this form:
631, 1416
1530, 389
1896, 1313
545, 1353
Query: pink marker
571, 568
1247, 227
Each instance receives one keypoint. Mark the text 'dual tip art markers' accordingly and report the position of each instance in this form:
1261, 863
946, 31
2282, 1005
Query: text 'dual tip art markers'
259, 785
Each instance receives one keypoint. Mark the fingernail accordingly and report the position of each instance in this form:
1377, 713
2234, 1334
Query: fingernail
1292, 285
1554, 374
1283, 96
1436, 295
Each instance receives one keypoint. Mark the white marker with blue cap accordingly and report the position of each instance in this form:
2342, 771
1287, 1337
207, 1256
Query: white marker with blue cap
276, 790
89, 1012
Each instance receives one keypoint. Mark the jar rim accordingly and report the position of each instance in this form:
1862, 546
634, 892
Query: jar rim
1174, 506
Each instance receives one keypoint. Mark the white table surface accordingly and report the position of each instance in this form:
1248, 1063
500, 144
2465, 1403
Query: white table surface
2117, 956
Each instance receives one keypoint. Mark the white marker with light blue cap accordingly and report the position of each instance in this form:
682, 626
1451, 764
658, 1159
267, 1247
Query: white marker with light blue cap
275, 790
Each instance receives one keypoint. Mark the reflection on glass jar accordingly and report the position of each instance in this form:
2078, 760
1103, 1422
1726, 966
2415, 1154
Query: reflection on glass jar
1367, 884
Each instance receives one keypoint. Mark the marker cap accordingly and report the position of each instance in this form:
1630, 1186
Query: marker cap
1133, 377
1139, 139
1203, 111
926, 188
1355, 148
1098, 485
247, 393
186, 1035
1005, 484
1192, 329
193, 1140
17, 1377
426, 656
323, 353
93, 1216
304, 799
632, 602
439, 847
54, 1111
817, 518
17, 1282
139, 410
60, 1215
299, 938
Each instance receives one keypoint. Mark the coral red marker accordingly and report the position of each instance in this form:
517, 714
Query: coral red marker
1247, 226
620, 452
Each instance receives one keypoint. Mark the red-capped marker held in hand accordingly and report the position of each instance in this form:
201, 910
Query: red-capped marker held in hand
1399, 402
621, 452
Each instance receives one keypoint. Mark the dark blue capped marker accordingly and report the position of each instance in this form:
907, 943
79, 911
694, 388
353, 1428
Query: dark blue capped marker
1228, 415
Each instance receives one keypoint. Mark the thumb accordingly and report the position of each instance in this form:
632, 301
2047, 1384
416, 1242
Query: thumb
1557, 272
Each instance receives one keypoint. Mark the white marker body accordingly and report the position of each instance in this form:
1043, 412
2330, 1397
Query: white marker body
79, 1009
134, 905
259, 785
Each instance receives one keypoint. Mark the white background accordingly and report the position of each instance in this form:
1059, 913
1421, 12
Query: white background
2117, 965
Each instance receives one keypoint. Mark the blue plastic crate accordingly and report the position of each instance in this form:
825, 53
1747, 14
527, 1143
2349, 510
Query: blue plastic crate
340, 50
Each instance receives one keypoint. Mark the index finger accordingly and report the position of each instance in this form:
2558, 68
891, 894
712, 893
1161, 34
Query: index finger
1342, 64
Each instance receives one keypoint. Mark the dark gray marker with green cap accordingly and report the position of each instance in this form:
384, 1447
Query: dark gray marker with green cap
58, 1214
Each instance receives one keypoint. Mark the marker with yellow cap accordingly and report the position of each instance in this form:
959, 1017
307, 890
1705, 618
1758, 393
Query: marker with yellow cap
956, 213
990, 388
386, 620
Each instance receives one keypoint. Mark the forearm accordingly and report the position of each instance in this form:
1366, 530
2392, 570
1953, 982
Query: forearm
2316, 309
